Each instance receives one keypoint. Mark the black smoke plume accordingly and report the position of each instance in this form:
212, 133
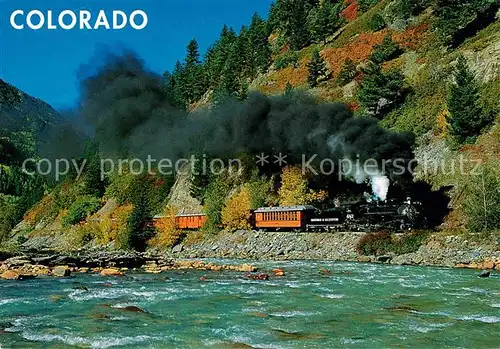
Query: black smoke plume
128, 108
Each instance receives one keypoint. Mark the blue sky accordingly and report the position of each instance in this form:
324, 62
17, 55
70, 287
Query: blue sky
45, 63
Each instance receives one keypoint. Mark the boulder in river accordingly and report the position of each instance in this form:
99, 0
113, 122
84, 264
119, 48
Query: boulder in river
260, 276
16, 275
278, 272
112, 272
485, 274
61, 271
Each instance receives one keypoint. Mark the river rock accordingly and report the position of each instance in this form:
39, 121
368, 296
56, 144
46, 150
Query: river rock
384, 259
247, 268
485, 274
261, 276
178, 248
279, 272
16, 275
61, 271
17, 261
111, 272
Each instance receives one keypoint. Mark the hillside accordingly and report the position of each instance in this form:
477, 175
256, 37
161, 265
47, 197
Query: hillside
430, 68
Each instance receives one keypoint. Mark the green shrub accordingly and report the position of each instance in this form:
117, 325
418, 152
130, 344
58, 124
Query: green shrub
377, 22
215, 199
382, 242
348, 72
409, 242
375, 244
81, 209
365, 5
287, 59
386, 51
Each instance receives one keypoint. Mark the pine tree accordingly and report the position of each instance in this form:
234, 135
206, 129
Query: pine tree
288, 89
194, 81
386, 51
217, 56
365, 5
454, 15
290, 17
348, 72
94, 183
259, 47
138, 232
324, 20
467, 117
298, 32
317, 69
380, 91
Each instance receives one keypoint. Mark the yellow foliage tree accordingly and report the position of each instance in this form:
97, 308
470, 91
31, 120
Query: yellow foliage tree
114, 227
167, 233
236, 212
294, 188
442, 124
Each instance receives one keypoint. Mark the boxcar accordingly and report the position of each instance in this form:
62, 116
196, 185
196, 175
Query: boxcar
287, 217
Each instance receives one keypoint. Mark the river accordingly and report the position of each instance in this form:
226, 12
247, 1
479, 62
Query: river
315, 305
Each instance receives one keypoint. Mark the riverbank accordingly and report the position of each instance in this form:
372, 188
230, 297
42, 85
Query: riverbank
437, 250
443, 251
106, 263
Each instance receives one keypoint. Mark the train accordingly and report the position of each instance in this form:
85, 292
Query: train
360, 216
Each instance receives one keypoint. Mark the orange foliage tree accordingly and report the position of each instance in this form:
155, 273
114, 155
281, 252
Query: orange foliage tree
294, 188
167, 232
236, 212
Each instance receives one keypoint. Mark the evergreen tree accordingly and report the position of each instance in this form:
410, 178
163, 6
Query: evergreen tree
298, 32
290, 17
288, 89
217, 56
193, 86
317, 69
348, 72
173, 84
259, 47
454, 15
467, 117
365, 5
324, 20
386, 51
138, 232
380, 91
199, 179
94, 184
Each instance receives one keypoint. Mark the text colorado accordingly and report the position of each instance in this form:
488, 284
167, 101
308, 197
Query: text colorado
85, 20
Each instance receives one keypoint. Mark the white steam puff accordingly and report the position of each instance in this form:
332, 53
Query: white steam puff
380, 186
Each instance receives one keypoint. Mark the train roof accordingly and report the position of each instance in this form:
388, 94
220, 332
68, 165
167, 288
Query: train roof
286, 208
181, 215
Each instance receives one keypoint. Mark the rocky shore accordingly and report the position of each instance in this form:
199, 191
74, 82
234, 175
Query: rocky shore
447, 251
105, 263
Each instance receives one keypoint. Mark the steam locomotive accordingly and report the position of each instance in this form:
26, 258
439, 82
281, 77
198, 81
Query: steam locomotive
361, 216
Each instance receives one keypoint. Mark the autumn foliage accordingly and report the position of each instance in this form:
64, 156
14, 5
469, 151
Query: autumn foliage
236, 212
167, 232
351, 11
113, 227
294, 188
361, 47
